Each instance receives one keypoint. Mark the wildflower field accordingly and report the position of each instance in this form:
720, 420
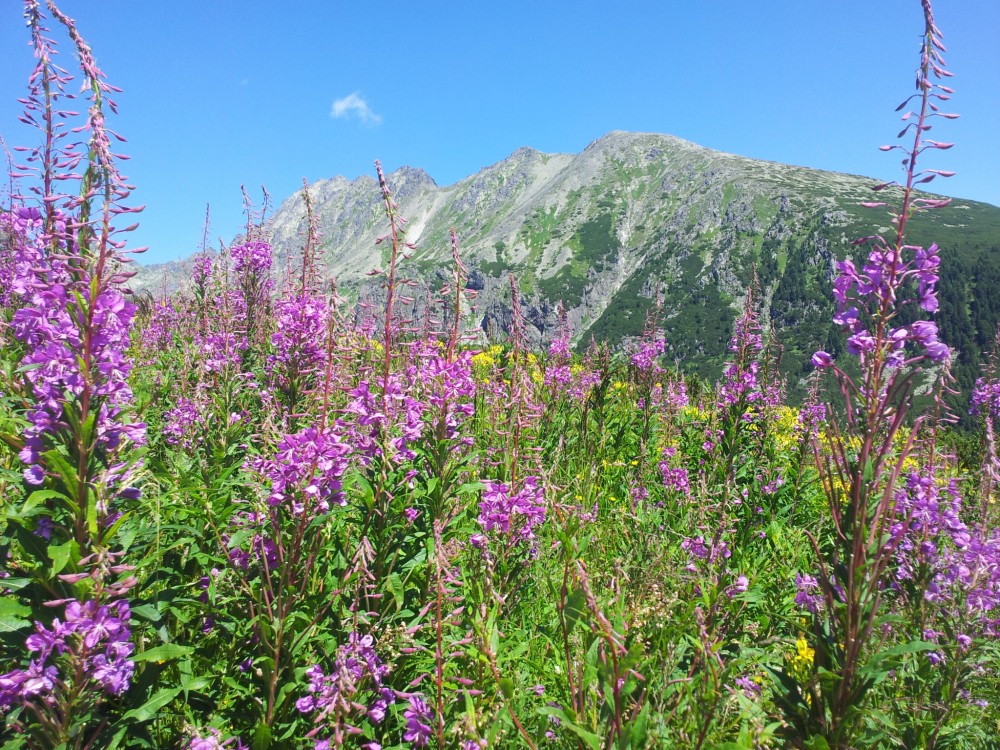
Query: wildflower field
253, 515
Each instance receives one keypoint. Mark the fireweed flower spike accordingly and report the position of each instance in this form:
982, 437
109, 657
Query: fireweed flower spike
73, 324
252, 264
861, 455
298, 351
513, 516
306, 472
91, 638
354, 692
75, 327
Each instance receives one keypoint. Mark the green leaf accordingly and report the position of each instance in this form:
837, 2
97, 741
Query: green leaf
261, 737
13, 614
38, 497
91, 501
61, 554
885, 661
57, 461
395, 587
194, 684
148, 710
160, 654
507, 687
470, 488
117, 739
574, 609
638, 727
146, 612
911, 647
817, 743
592, 740
240, 537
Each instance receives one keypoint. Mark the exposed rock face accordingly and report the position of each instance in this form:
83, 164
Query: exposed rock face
632, 216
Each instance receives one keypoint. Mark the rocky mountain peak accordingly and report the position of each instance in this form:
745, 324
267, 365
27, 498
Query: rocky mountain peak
408, 179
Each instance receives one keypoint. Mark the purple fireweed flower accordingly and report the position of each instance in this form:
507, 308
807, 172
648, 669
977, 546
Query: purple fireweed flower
20, 253
558, 377
879, 282
252, 264
219, 351
164, 323
746, 339
512, 515
809, 596
743, 391
961, 562
394, 417
211, 739
822, 359
740, 586
307, 471
675, 396
43, 528
201, 274
251, 257
259, 547
574, 382
446, 389
809, 419
704, 551
559, 348
675, 479
183, 425
19, 686
861, 343
418, 721
750, 688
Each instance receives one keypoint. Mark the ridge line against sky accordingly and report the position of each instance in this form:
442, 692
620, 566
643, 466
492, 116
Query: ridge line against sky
228, 93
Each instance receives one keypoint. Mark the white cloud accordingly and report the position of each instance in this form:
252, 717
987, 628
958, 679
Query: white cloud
353, 105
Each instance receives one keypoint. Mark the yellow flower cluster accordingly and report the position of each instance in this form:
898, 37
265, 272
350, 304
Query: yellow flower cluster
693, 412
485, 362
800, 663
784, 428
535, 369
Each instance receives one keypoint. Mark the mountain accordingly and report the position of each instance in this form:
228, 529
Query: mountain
635, 215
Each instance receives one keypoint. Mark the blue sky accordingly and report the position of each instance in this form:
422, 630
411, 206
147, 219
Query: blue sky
220, 93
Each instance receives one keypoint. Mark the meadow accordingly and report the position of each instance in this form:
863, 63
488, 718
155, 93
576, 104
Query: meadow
252, 515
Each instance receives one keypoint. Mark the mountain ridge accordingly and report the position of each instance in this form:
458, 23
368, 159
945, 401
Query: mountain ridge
630, 216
